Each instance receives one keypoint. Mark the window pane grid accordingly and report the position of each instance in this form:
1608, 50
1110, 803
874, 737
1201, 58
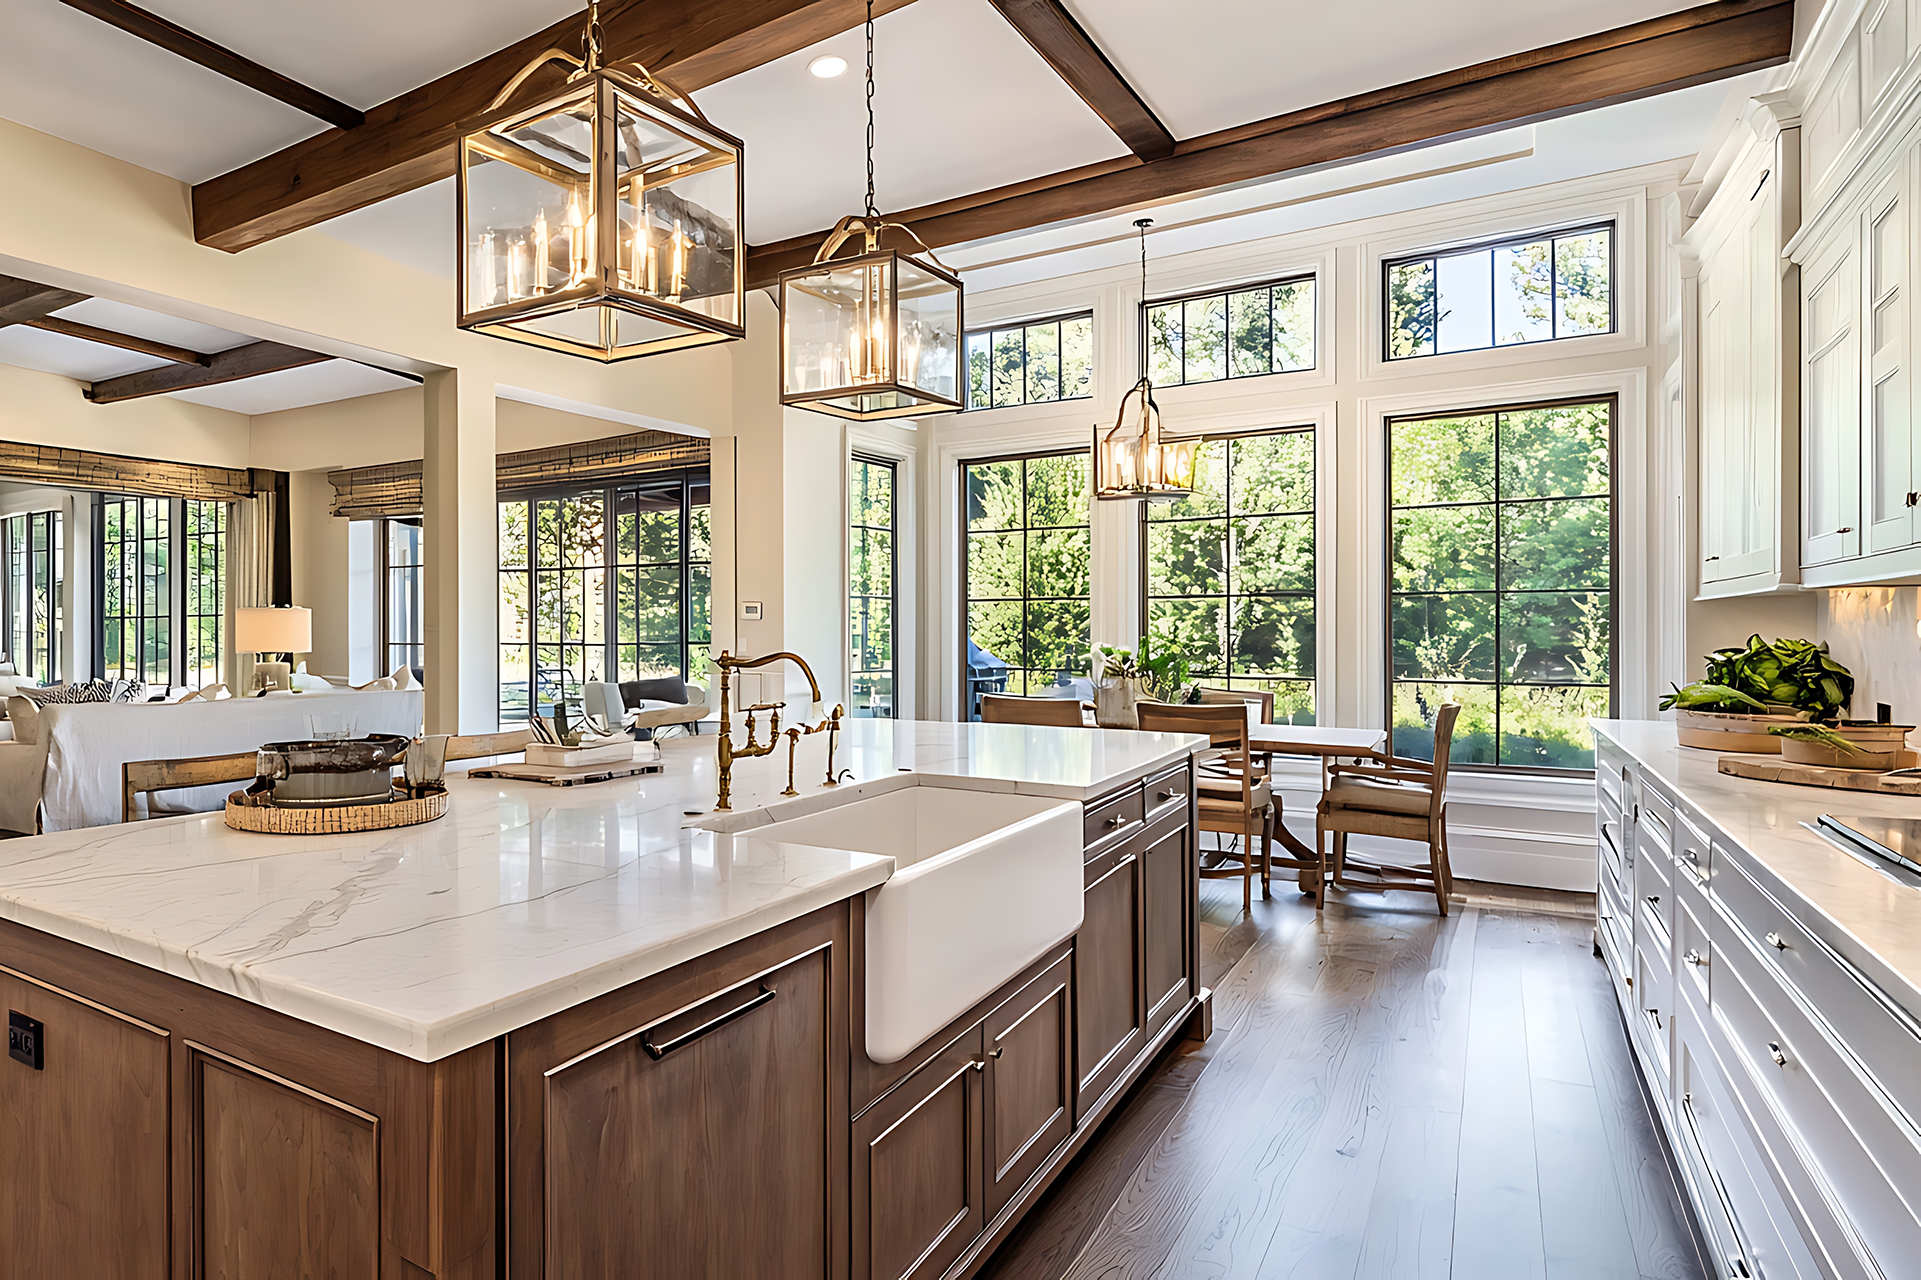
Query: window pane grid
871, 605
1037, 362
137, 603
603, 584
205, 616
1537, 288
1028, 628
1230, 333
1230, 571
1503, 604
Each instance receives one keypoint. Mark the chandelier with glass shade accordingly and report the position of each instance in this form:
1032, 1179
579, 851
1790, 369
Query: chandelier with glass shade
602, 220
1134, 460
876, 333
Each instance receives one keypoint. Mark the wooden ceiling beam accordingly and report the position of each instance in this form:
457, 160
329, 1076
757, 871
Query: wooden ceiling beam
408, 142
219, 59
1693, 46
24, 301
1066, 46
249, 361
125, 341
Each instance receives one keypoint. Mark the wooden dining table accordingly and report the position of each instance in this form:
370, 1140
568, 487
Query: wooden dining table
1329, 744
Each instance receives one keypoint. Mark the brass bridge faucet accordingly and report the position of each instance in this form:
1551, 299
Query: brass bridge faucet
727, 752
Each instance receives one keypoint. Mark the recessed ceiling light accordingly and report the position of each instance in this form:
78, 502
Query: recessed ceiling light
827, 66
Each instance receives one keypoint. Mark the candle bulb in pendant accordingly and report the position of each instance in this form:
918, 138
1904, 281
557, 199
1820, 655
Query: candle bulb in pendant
576, 241
680, 263
540, 252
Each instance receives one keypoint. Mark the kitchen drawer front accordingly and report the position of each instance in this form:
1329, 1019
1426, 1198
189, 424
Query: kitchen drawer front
1612, 777
1693, 859
1654, 1000
1738, 1204
1617, 920
1656, 806
1843, 1188
1694, 954
1612, 833
1884, 1037
1115, 817
1167, 794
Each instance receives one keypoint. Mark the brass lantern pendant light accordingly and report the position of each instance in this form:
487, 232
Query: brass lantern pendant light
875, 334
1133, 460
604, 220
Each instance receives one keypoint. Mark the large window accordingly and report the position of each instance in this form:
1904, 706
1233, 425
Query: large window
137, 596
1238, 333
163, 590
204, 587
1025, 577
1031, 363
1501, 582
404, 639
872, 551
607, 583
1230, 570
34, 608
1531, 289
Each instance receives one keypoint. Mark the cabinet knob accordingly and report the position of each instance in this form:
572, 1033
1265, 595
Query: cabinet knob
1695, 957
998, 1052
1774, 1051
1654, 900
979, 1064
1116, 820
1776, 941
1913, 498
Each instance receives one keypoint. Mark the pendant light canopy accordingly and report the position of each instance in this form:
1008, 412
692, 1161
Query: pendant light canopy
876, 333
603, 221
1133, 460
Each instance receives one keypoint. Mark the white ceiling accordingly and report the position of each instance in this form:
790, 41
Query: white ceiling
298, 388
73, 76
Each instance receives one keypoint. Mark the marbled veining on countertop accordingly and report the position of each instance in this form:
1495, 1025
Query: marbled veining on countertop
525, 899
1871, 917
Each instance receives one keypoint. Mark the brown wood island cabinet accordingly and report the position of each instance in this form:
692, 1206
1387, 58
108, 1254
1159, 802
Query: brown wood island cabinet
719, 1119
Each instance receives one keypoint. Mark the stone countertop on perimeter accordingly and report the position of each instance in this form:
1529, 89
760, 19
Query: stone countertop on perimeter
525, 899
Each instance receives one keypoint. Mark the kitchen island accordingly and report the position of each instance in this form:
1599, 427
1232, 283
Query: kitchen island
1770, 981
574, 1032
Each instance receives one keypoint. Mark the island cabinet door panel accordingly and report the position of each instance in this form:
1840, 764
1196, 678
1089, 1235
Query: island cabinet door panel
697, 1148
1109, 1012
289, 1179
1029, 1081
83, 1139
919, 1194
1167, 910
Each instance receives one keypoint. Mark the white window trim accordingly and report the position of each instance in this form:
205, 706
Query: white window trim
1626, 208
1635, 597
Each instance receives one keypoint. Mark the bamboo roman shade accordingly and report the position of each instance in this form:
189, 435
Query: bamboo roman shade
394, 489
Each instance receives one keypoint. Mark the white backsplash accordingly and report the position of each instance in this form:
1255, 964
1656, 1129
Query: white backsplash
1875, 632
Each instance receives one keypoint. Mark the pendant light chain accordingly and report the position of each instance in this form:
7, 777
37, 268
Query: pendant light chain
596, 40
872, 212
1144, 224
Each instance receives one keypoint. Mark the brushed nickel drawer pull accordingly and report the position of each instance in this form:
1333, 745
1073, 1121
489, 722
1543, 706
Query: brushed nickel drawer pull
1776, 941
659, 1051
1695, 957
1117, 820
1654, 899
979, 1064
1774, 1051
998, 1052
1169, 795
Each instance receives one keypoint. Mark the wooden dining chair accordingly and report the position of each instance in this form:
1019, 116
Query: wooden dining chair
475, 746
1396, 797
1001, 708
143, 777
1231, 800
1263, 698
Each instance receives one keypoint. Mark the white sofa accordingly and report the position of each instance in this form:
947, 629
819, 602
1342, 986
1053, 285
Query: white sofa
70, 772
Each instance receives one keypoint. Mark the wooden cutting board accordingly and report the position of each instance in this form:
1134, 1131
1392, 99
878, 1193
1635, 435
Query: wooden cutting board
1775, 769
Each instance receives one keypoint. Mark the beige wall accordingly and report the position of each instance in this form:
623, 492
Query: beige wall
45, 408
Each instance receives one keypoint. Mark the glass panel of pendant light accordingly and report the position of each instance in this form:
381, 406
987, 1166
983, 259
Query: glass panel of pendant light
1133, 459
632, 253
872, 337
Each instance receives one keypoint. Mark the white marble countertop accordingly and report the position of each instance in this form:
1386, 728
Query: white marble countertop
1870, 916
525, 899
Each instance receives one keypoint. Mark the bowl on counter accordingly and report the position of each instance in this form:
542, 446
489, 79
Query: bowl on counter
330, 772
1726, 731
1880, 747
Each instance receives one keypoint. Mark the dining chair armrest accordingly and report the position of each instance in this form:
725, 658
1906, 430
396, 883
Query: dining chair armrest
1389, 775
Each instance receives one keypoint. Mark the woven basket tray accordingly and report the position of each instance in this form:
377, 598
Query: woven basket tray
245, 813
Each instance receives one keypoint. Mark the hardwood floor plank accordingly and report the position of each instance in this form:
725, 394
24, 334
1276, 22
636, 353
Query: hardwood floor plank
1497, 1206
1386, 1095
1657, 1222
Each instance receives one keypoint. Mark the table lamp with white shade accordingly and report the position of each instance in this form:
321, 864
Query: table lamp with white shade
282, 629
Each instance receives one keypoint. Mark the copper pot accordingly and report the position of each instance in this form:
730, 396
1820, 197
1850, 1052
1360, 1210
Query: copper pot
319, 772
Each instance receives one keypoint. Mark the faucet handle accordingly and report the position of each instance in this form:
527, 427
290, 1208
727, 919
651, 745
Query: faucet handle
764, 706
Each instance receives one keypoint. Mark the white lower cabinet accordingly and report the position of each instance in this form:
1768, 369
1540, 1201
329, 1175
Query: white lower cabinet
1789, 1083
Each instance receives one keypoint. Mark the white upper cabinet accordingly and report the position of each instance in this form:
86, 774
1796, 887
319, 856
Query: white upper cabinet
1831, 446
1888, 495
1747, 407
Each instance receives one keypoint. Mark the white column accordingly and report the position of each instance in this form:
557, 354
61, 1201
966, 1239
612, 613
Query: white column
460, 610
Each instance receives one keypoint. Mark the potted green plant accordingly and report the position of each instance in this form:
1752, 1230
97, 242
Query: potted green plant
1122, 677
1752, 690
